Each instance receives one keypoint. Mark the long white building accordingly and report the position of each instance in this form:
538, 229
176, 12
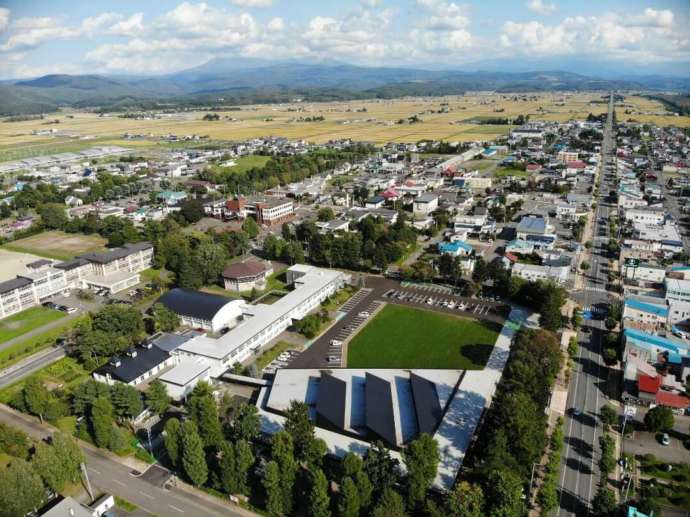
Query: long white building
260, 323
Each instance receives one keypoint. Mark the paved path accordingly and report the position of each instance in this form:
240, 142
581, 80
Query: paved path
111, 476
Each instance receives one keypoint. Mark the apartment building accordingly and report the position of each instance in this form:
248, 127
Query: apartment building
113, 270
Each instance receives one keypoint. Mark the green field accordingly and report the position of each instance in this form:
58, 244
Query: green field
403, 337
26, 321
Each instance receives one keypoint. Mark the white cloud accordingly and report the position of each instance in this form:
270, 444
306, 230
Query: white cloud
99, 22
276, 25
539, 7
132, 26
4, 18
445, 29
653, 18
253, 3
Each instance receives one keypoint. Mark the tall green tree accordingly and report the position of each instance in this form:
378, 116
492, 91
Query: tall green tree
364, 488
53, 216
604, 502
102, 420
299, 426
126, 401
164, 319
203, 410
380, 467
390, 505
272, 488
351, 464
173, 440
245, 424
21, 489
250, 227
421, 459
193, 457
503, 492
659, 418
157, 397
283, 453
319, 502
59, 462
244, 460
36, 397
348, 500
227, 468
121, 321
465, 500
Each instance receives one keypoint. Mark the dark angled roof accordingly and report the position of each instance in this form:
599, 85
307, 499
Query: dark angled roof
15, 283
330, 401
105, 257
426, 403
195, 304
39, 263
169, 342
132, 367
250, 268
68, 265
380, 415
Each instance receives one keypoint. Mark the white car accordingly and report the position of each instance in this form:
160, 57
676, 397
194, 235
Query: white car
364, 314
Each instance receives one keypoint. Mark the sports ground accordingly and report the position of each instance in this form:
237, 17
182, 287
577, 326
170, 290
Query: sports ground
403, 337
57, 245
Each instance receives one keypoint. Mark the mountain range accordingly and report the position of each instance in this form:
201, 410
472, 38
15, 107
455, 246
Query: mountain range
243, 81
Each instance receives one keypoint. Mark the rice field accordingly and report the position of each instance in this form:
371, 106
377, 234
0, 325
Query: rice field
375, 121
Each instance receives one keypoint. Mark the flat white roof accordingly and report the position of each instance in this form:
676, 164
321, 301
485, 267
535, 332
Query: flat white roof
261, 316
185, 372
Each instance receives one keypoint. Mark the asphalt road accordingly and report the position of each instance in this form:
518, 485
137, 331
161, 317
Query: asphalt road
27, 366
579, 468
110, 476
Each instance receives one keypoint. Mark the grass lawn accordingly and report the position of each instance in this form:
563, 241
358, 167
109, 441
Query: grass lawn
35, 343
58, 245
25, 321
509, 171
264, 359
403, 337
64, 374
275, 282
339, 298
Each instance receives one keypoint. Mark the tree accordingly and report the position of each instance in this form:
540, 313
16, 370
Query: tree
53, 216
610, 323
283, 453
227, 468
192, 210
390, 505
119, 320
421, 459
210, 258
21, 489
102, 419
271, 484
659, 418
319, 501
164, 319
36, 397
246, 424
157, 397
193, 458
364, 488
608, 415
172, 440
604, 502
14, 442
244, 459
299, 426
202, 409
504, 494
126, 401
465, 500
351, 464
348, 500
380, 467
118, 440
325, 214
250, 227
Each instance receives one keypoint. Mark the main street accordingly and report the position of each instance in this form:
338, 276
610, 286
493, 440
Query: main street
579, 469
108, 475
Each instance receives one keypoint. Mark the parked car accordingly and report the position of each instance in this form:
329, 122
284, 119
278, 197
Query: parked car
665, 439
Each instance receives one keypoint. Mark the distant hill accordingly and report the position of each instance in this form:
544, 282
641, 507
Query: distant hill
242, 81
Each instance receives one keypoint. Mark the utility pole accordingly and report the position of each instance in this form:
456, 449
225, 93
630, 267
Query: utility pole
85, 474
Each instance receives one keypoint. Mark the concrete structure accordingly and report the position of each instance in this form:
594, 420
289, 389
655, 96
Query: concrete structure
113, 270
247, 275
202, 310
455, 248
532, 272
424, 205
677, 289
645, 216
181, 379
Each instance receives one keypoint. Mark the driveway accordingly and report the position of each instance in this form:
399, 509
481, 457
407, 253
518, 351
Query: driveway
643, 442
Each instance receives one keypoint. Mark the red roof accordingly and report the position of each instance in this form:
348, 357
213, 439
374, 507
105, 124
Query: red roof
577, 164
666, 398
511, 257
648, 384
390, 193
533, 167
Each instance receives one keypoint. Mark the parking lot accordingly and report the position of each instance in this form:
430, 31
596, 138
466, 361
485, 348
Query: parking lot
283, 360
437, 300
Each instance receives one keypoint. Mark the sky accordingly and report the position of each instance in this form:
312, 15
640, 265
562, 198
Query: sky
39, 37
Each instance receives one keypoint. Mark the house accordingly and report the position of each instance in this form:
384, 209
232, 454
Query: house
455, 248
171, 198
391, 194
247, 275
375, 202
641, 273
181, 379
202, 310
533, 272
270, 210
334, 225
69, 507
677, 289
424, 205
575, 167
645, 215
645, 313
136, 365
73, 201
567, 156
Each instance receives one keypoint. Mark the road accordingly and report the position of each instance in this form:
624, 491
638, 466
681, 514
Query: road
29, 365
579, 472
110, 476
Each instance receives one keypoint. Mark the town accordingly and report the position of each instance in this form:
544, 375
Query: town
401, 292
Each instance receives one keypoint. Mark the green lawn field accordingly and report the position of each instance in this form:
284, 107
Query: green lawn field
25, 321
403, 337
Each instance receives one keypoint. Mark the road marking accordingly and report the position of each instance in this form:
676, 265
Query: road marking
176, 508
94, 470
119, 482
146, 495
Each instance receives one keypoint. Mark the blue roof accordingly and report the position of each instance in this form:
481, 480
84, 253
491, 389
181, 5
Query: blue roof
520, 243
643, 338
680, 268
540, 238
634, 512
647, 307
453, 247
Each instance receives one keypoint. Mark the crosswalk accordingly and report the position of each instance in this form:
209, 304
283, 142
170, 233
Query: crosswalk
595, 289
